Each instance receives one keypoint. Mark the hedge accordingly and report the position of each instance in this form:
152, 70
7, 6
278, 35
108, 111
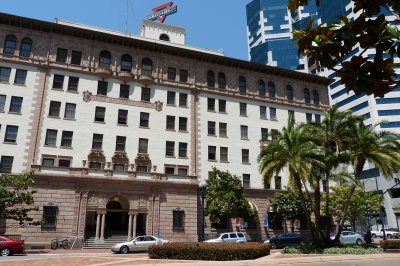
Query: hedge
390, 244
209, 251
345, 250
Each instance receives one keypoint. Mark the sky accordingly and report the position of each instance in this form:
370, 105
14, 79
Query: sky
211, 24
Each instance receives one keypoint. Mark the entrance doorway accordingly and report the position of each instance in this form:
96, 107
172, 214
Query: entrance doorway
141, 224
116, 219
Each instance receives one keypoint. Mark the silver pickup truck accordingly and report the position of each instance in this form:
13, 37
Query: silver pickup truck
389, 233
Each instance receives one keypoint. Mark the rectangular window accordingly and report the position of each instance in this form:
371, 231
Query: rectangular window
317, 119
244, 132
5, 74
246, 180
73, 84
49, 216
182, 171
223, 154
58, 81
6, 164
97, 142
102, 87
170, 122
143, 145
100, 114
54, 109
144, 119
245, 156
182, 149
171, 75
169, 170
48, 162
243, 109
66, 138
290, 113
223, 130
178, 219
264, 134
122, 117
182, 124
16, 104
70, 110
170, 148
211, 128
62, 55
183, 99
212, 150
20, 76
124, 91
272, 113
211, 104
2, 102
263, 112
278, 182
76, 57
170, 98
183, 75
308, 117
222, 106
51, 137
120, 143
64, 163
145, 94
11, 134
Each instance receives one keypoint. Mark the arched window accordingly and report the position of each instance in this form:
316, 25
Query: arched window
105, 59
221, 80
126, 63
26, 47
271, 89
242, 84
261, 87
210, 78
315, 96
10, 44
147, 67
289, 93
164, 37
307, 96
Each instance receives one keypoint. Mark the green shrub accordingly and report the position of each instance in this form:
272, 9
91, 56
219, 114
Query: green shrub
390, 244
209, 251
346, 250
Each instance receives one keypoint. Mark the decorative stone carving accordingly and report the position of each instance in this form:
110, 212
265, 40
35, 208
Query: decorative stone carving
132, 174
103, 73
121, 158
87, 96
132, 166
125, 76
142, 203
159, 106
108, 172
143, 159
156, 176
97, 156
147, 80
84, 172
93, 201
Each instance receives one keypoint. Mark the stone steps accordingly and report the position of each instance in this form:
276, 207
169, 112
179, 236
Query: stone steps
90, 242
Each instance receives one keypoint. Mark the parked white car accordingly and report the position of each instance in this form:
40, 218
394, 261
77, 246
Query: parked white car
389, 233
140, 243
350, 238
231, 237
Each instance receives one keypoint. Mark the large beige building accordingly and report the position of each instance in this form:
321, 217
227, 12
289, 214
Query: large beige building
121, 130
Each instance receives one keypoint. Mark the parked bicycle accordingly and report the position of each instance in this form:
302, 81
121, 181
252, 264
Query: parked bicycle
59, 243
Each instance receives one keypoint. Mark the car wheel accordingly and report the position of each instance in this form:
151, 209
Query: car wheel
359, 242
5, 252
389, 236
273, 245
124, 250
373, 236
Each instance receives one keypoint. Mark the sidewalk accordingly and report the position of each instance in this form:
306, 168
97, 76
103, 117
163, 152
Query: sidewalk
72, 252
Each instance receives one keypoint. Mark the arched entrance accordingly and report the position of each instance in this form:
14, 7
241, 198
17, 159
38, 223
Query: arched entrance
116, 217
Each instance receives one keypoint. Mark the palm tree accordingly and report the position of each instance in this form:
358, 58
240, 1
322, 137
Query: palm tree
294, 148
382, 148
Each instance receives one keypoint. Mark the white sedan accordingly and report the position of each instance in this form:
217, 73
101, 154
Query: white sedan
140, 243
350, 238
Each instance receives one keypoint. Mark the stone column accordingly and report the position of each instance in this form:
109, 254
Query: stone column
130, 227
103, 222
98, 226
134, 225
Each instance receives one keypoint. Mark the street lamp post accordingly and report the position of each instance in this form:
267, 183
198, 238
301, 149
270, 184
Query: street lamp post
202, 192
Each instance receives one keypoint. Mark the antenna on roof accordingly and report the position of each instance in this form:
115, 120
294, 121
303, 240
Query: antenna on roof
126, 18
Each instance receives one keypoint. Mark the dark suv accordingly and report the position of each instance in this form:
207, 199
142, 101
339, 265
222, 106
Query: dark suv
286, 239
